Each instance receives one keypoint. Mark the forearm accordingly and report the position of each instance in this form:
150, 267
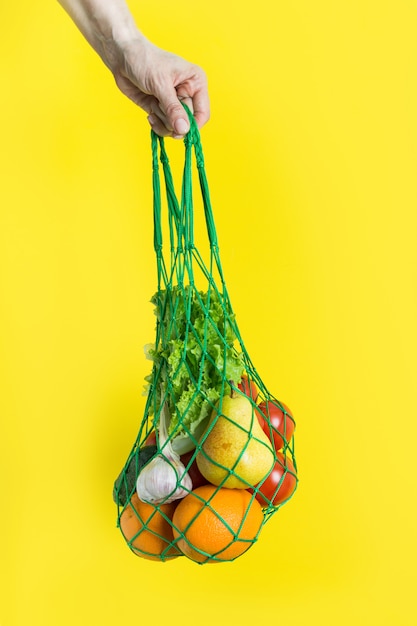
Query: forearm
107, 26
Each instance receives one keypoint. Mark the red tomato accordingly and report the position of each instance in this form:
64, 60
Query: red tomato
196, 477
282, 422
248, 387
269, 492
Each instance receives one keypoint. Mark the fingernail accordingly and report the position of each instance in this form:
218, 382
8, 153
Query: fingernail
181, 126
151, 119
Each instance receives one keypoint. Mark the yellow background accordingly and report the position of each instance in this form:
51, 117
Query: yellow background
311, 155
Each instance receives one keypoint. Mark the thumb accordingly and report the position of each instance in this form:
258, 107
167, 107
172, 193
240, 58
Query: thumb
171, 107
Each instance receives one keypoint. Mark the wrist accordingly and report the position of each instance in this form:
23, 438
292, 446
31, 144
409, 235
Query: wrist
114, 48
114, 35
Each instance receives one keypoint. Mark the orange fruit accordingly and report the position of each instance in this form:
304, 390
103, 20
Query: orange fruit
213, 525
146, 530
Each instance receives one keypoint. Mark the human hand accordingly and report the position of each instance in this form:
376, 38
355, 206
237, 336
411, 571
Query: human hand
154, 79
158, 82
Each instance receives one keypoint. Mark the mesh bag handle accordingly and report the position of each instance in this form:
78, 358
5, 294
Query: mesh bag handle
183, 222
181, 215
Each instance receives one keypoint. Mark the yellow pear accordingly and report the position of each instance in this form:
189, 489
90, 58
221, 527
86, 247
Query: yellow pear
235, 452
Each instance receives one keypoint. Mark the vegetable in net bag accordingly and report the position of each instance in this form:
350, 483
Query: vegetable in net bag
214, 456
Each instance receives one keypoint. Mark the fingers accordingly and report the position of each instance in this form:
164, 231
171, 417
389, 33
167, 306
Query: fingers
201, 107
195, 95
171, 112
186, 85
158, 126
170, 119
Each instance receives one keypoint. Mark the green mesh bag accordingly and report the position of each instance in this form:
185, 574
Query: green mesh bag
214, 456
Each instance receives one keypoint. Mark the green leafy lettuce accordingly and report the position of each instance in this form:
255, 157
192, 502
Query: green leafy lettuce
194, 358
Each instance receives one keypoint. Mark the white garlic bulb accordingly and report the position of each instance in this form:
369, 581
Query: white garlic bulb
164, 478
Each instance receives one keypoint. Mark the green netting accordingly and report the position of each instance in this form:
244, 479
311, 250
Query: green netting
210, 425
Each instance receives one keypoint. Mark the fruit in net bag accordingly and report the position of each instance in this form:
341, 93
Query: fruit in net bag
216, 525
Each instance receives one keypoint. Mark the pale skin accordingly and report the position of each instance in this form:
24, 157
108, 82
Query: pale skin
154, 79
